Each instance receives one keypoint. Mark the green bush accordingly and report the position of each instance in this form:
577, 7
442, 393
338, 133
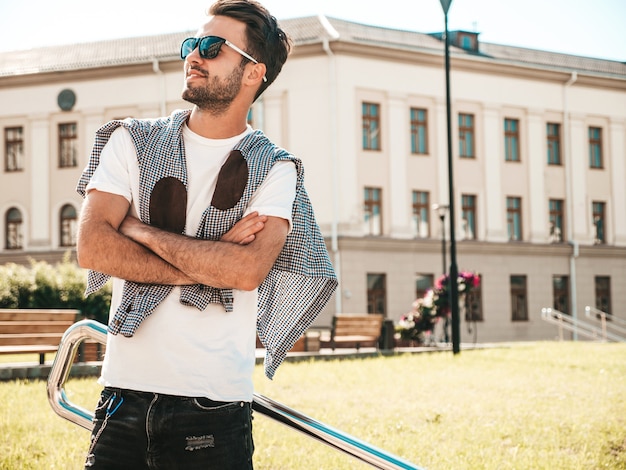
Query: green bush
16, 287
43, 285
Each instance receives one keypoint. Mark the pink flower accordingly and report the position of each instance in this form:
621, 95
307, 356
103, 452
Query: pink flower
441, 282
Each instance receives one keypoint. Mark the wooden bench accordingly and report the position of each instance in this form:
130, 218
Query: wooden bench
34, 330
356, 329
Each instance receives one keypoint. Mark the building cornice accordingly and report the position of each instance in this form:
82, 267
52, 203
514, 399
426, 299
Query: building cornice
465, 63
478, 248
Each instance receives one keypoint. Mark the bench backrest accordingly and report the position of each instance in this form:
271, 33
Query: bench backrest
346, 324
35, 326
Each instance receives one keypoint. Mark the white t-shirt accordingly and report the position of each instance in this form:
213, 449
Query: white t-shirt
179, 350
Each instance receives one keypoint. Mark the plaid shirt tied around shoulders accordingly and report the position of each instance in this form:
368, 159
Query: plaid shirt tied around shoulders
299, 284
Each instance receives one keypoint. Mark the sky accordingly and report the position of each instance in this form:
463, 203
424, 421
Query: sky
591, 28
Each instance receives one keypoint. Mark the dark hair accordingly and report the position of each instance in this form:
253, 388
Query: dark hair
266, 42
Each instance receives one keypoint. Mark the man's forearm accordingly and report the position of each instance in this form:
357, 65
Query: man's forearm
205, 263
215, 263
132, 262
102, 248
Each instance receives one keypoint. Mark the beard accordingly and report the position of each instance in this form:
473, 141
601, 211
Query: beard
217, 95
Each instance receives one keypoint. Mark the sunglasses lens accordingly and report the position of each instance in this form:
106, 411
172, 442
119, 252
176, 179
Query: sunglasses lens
210, 46
187, 47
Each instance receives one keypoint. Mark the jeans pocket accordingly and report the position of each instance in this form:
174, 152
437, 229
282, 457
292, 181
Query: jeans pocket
103, 402
207, 404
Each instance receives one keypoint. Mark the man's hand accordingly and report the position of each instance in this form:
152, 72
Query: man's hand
245, 230
242, 233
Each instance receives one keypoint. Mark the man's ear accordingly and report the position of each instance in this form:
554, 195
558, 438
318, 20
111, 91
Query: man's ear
256, 73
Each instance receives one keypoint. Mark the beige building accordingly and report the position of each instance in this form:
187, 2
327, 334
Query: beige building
539, 152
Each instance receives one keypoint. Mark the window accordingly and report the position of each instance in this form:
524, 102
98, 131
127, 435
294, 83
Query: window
556, 220
68, 145
419, 128
603, 293
511, 140
474, 303
595, 147
554, 143
68, 225
372, 211
14, 229
560, 293
371, 126
599, 226
14, 148
376, 293
465, 40
519, 302
466, 135
421, 225
468, 216
423, 283
514, 218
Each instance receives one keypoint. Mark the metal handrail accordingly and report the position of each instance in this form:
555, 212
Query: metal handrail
564, 321
607, 321
90, 329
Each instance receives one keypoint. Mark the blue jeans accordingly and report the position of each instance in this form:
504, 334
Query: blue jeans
142, 430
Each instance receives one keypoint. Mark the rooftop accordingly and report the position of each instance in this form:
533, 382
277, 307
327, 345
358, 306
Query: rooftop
304, 31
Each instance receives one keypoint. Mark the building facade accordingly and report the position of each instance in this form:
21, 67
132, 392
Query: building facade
539, 161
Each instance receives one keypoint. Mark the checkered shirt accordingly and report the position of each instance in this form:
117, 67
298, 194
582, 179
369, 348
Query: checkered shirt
299, 284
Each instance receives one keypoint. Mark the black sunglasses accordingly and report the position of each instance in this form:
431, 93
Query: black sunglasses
209, 47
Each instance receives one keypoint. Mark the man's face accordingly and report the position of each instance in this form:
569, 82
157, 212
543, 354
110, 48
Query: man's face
215, 94
213, 84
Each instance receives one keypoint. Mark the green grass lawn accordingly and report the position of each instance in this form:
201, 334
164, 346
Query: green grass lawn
527, 406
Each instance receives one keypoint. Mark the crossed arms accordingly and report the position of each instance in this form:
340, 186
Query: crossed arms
114, 243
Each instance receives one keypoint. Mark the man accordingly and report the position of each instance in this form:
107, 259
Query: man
207, 231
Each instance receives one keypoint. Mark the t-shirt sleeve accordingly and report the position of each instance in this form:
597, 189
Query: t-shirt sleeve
277, 193
113, 174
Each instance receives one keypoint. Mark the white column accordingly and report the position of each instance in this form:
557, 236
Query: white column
398, 203
441, 151
578, 165
93, 119
538, 216
39, 217
348, 150
274, 118
493, 203
617, 149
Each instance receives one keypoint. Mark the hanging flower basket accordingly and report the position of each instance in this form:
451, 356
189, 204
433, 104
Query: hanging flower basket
428, 310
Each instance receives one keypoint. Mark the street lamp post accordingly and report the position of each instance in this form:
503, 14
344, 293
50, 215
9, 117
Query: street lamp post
454, 288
